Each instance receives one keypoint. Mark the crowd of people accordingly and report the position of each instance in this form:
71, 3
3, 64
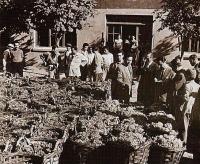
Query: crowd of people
159, 81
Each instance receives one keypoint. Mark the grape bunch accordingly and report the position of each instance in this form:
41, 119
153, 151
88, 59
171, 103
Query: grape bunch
168, 141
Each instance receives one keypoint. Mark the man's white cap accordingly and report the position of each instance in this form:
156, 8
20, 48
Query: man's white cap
11, 45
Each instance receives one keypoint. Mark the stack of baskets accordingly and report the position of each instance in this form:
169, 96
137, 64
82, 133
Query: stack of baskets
162, 155
140, 155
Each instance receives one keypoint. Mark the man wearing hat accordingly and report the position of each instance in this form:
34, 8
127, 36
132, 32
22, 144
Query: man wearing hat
7, 58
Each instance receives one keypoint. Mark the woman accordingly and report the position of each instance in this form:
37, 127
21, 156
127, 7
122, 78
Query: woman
75, 61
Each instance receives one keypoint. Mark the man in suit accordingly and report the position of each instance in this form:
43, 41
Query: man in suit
164, 75
128, 64
120, 79
147, 73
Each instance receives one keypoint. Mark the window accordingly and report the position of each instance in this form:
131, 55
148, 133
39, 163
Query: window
192, 45
113, 32
45, 38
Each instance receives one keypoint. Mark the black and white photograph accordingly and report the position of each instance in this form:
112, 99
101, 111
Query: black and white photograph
99, 81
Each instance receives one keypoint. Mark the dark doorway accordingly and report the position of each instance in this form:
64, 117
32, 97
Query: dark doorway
126, 25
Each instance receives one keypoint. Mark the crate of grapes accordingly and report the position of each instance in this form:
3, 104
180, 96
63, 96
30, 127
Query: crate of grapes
13, 158
140, 155
162, 155
167, 149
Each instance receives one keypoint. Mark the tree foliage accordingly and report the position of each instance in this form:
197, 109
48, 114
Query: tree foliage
182, 17
58, 15
14, 15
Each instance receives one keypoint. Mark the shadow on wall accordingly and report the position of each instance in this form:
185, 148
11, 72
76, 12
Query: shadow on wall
25, 40
97, 42
165, 47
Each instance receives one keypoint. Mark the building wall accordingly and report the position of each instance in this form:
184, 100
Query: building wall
92, 33
128, 4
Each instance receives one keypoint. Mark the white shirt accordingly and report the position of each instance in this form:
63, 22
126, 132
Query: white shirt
67, 53
85, 55
90, 58
77, 61
108, 59
192, 89
118, 42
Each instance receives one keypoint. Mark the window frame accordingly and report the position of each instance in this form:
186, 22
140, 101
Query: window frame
36, 47
189, 42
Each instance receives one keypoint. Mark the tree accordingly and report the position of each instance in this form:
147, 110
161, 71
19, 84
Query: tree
182, 17
58, 15
14, 15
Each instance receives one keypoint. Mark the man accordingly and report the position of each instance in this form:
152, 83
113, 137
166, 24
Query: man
120, 81
164, 75
128, 64
63, 61
175, 89
84, 71
107, 60
52, 62
17, 56
182, 114
68, 51
146, 88
97, 66
176, 65
134, 49
193, 59
76, 60
7, 67
90, 67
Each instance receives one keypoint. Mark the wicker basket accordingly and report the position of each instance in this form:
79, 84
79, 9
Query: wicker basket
82, 151
140, 156
122, 153
13, 158
52, 158
161, 155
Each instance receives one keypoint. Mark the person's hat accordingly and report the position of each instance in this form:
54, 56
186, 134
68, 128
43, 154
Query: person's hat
68, 45
11, 45
191, 73
85, 44
179, 80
